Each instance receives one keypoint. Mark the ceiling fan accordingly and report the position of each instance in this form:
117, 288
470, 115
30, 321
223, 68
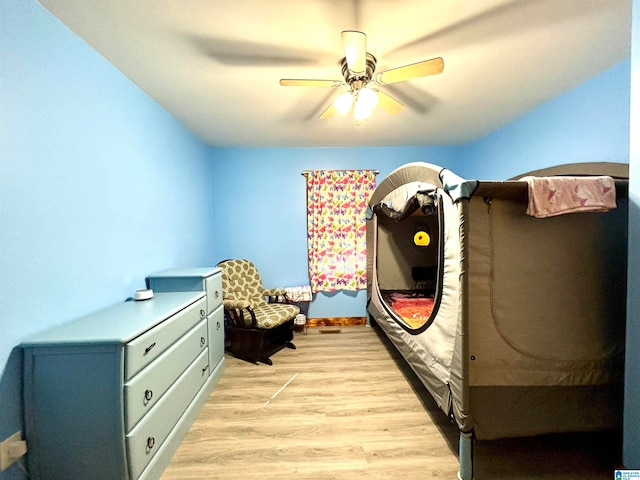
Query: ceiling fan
358, 67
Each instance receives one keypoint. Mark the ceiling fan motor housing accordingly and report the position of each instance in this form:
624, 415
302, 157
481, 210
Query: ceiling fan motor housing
363, 77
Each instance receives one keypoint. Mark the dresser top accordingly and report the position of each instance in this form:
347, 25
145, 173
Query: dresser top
117, 324
201, 272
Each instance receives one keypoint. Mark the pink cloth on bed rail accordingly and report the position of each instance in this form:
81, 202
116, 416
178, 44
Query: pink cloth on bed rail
550, 196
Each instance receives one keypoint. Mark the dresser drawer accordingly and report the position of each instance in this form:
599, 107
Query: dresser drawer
213, 287
148, 346
147, 436
147, 387
216, 336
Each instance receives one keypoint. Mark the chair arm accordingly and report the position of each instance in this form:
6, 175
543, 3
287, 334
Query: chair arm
272, 292
236, 304
276, 295
235, 311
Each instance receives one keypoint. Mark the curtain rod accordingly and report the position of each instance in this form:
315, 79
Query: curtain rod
307, 172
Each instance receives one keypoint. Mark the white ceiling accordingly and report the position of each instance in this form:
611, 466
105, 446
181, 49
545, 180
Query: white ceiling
215, 64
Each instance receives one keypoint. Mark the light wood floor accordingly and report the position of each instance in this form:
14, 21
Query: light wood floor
345, 406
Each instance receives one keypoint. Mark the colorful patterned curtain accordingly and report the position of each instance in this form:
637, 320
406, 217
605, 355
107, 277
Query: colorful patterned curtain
336, 206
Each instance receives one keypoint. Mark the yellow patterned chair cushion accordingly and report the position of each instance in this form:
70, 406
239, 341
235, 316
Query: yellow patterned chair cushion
246, 300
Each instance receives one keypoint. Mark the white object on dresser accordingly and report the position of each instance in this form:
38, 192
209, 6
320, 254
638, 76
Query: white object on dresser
111, 395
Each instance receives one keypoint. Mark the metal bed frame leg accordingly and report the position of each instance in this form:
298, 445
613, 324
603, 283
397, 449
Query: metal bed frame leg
465, 450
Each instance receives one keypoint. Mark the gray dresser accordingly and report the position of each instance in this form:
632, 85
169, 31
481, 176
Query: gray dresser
111, 395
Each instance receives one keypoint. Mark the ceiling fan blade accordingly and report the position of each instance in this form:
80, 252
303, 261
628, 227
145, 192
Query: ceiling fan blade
415, 70
388, 103
253, 54
355, 50
330, 111
294, 82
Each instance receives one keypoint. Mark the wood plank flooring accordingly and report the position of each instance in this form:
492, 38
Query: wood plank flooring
344, 405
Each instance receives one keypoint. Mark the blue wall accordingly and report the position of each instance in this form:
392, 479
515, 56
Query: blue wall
99, 186
589, 123
631, 446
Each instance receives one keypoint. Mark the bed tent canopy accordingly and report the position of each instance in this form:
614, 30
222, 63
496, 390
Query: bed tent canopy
497, 311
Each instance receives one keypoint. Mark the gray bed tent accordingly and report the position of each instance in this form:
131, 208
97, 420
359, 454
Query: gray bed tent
523, 330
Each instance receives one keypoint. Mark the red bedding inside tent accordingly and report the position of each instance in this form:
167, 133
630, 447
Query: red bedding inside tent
414, 308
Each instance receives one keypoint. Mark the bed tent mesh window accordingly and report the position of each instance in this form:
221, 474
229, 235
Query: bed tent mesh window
410, 253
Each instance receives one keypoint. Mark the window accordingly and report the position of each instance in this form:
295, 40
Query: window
336, 205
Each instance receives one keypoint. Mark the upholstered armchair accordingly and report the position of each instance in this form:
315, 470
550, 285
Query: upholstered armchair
259, 320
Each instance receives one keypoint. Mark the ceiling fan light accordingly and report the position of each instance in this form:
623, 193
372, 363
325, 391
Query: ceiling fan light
361, 114
343, 103
368, 98
365, 103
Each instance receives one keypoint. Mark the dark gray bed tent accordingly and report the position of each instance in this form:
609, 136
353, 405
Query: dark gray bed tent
522, 332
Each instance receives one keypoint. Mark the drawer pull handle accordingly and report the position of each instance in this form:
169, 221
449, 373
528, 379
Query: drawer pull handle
148, 349
218, 325
216, 294
202, 313
148, 395
151, 441
202, 341
204, 370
